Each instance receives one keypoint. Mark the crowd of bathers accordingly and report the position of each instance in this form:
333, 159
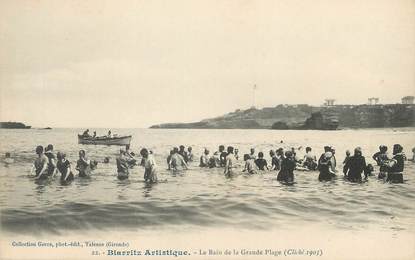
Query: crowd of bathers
284, 162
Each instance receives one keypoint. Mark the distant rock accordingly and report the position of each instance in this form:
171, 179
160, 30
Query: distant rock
14, 125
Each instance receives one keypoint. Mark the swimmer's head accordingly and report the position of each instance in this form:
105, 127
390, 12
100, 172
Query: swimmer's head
383, 148
221, 148
328, 155
252, 150
271, 153
39, 149
189, 148
357, 151
260, 155
246, 157
347, 153
175, 150
289, 154
60, 156
181, 147
49, 148
230, 149
397, 148
144, 152
308, 149
327, 148
81, 152
206, 151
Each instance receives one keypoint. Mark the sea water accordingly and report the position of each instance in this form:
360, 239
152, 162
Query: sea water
201, 198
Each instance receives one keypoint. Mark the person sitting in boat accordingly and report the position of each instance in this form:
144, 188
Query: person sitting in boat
396, 165
250, 166
64, 168
275, 163
230, 161
286, 174
95, 134
51, 160
7, 159
310, 160
150, 174
177, 161
40, 165
109, 135
83, 165
204, 159
324, 166
261, 163
355, 166
86, 133
122, 165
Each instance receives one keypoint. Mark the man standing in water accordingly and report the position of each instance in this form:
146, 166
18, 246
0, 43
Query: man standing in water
150, 174
230, 161
355, 166
122, 165
41, 164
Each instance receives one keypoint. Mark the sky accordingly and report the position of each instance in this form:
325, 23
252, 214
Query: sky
139, 63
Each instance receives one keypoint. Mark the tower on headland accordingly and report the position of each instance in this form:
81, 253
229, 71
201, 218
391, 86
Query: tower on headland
329, 102
373, 101
408, 100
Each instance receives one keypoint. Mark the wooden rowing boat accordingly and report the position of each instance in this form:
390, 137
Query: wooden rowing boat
116, 140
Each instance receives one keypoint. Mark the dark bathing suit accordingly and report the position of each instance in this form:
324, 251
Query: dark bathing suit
286, 173
63, 169
395, 172
354, 168
261, 163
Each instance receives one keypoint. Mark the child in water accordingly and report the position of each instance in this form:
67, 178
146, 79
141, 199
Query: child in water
249, 164
64, 167
150, 174
261, 163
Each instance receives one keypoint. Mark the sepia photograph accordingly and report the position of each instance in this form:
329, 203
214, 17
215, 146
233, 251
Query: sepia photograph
207, 129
